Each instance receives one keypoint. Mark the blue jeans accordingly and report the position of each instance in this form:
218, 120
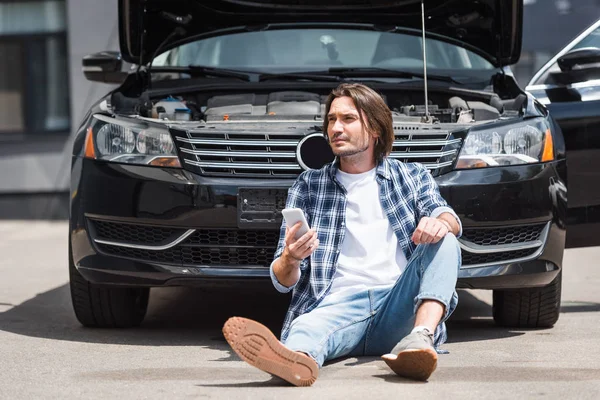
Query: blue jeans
371, 322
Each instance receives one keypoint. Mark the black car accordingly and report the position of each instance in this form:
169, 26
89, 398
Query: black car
179, 175
569, 86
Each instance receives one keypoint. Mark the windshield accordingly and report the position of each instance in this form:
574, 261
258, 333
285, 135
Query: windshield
292, 50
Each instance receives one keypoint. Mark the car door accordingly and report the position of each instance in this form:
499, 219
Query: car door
575, 105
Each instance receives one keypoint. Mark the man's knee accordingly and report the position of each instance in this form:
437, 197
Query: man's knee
450, 242
447, 248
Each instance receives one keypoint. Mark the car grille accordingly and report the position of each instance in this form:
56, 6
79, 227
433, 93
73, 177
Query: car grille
234, 238
470, 259
248, 257
169, 256
206, 247
239, 257
133, 233
256, 152
487, 246
500, 236
255, 248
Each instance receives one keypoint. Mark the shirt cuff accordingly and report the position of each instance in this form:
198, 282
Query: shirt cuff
440, 210
280, 288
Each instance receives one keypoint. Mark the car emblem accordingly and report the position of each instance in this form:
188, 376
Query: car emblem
313, 152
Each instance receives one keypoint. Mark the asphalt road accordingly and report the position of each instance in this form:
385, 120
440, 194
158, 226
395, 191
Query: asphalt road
179, 351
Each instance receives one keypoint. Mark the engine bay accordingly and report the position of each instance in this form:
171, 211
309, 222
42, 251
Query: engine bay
407, 106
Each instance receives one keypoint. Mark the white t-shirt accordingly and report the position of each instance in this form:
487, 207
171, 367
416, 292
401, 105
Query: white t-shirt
369, 256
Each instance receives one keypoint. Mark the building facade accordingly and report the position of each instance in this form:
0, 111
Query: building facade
43, 96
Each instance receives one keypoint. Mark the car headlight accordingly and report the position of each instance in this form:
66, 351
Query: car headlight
130, 142
524, 143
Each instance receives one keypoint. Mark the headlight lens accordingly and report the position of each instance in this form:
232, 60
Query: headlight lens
525, 140
151, 142
130, 142
528, 142
115, 139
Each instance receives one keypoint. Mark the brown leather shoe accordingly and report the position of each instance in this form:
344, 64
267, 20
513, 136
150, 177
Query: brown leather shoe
256, 345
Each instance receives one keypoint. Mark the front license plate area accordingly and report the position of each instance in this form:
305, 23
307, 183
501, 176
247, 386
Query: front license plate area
260, 208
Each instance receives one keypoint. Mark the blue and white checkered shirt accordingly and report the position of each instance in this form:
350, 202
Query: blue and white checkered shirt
408, 193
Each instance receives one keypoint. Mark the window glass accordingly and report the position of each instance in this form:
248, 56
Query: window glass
591, 40
32, 17
318, 49
34, 89
11, 88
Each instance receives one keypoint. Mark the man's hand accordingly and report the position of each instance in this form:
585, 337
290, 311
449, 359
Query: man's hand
287, 267
304, 246
430, 230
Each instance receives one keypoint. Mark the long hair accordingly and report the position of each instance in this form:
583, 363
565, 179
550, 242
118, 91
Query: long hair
378, 117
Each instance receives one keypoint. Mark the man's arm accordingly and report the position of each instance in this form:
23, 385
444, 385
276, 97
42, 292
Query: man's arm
435, 218
450, 221
285, 270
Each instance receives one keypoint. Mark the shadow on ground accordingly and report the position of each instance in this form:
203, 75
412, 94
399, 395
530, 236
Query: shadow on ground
194, 317
176, 316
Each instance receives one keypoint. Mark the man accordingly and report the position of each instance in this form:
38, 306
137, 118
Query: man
376, 273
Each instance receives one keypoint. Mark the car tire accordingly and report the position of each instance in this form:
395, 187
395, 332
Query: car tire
528, 308
106, 307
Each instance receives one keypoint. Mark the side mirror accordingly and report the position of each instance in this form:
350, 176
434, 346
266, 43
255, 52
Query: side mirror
579, 57
578, 65
104, 67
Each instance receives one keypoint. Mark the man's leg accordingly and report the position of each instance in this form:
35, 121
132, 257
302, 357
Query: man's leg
429, 314
331, 330
257, 345
424, 296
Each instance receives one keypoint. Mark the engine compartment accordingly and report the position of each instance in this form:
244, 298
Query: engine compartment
452, 106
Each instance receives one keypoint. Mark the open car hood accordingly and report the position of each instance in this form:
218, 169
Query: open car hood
492, 28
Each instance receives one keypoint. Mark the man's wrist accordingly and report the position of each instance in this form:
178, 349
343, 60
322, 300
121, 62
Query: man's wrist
447, 224
289, 259
286, 271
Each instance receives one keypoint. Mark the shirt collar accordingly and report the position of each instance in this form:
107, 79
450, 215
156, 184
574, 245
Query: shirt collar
383, 168
333, 168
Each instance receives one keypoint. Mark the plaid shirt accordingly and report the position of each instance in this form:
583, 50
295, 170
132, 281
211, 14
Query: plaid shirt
408, 193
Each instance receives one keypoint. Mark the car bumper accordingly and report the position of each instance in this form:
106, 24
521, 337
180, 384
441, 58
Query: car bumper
141, 226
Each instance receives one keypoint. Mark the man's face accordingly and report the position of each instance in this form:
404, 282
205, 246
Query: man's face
347, 136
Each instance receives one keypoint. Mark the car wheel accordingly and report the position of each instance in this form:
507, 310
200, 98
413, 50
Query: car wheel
106, 307
528, 308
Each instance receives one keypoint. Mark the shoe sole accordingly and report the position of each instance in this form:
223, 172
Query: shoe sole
414, 364
256, 345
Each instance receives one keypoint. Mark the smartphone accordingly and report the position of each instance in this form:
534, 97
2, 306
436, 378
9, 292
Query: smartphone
293, 216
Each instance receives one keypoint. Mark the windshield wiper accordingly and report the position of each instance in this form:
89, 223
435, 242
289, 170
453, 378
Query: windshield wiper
351, 72
196, 70
309, 76
334, 74
339, 74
